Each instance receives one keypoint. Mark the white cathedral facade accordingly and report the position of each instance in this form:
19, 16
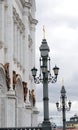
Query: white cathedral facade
17, 57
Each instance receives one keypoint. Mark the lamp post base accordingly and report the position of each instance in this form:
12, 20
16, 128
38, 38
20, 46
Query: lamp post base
46, 125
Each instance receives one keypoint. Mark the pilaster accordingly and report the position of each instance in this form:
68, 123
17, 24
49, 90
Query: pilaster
27, 115
3, 104
34, 116
11, 109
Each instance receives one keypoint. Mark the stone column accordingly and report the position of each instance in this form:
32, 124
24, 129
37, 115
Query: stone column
0, 113
21, 48
9, 39
14, 39
33, 24
25, 51
18, 47
15, 42
1, 23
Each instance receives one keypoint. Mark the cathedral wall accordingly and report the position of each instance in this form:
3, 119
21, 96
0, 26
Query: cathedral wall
17, 57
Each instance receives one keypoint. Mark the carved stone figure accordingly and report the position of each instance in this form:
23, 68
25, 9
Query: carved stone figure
33, 97
14, 79
30, 96
8, 81
25, 89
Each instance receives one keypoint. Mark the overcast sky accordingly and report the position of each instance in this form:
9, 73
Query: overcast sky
60, 18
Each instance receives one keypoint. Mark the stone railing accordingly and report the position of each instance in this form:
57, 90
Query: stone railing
27, 128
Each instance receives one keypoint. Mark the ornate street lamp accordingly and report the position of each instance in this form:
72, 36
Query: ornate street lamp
45, 66
63, 106
45, 77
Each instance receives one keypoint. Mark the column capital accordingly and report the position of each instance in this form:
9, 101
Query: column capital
26, 3
32, 20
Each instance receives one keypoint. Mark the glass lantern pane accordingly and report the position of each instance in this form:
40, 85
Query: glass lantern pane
56, 69
34, 71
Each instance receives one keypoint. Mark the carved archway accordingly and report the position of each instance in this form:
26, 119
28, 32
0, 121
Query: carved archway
20, 100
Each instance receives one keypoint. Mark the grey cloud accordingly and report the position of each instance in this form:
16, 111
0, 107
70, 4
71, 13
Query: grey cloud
57, 19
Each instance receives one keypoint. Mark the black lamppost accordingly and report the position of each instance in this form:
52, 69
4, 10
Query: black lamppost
45, 77
63, 106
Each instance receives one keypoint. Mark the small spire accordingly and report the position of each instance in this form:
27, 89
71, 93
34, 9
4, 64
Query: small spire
62, 82
43, 32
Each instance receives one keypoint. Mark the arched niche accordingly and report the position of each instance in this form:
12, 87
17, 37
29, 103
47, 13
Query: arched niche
3, 91
20, 100
3, 86
19, 91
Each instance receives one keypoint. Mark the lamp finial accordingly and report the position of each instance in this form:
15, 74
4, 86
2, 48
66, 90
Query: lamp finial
43, 32
62, 82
